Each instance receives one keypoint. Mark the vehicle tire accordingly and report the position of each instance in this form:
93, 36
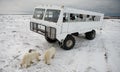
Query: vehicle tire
68, 43
90, 35
50, 40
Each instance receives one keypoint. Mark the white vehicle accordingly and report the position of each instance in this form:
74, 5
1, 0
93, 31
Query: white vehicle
59, 23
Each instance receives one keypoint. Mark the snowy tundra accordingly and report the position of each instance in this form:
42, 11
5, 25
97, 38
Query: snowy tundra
99, 55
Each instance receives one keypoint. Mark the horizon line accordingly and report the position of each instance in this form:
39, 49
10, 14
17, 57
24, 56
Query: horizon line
32, 14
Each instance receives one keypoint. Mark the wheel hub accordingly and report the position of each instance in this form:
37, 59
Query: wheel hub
69, 43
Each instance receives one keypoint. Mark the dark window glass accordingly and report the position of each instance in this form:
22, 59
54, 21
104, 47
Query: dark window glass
38, 14
52, 15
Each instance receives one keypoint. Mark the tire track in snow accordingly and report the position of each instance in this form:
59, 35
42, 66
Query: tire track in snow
106, 54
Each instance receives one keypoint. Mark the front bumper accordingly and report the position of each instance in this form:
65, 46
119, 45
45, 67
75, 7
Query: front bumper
43, 30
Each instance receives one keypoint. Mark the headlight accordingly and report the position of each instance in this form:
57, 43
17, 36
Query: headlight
31, 26
51, 32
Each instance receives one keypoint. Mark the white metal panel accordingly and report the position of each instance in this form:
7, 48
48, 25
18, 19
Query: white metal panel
83, 27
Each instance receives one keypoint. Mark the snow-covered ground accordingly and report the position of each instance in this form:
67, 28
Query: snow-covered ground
99, 55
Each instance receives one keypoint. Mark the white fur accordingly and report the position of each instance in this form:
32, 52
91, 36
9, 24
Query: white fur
50, 53
29, 57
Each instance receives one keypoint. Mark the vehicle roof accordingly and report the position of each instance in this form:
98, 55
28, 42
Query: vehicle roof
69, 10
49, 7
79, 11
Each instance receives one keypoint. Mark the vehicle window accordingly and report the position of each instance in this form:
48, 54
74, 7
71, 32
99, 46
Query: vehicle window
79, 17
38, 14
65, 17
52, 15
72, 17
87, 17
93, 18
97, 18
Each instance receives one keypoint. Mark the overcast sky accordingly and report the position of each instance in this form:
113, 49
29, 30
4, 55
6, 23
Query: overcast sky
108, 7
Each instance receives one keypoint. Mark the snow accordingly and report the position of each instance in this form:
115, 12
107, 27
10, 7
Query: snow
99, 55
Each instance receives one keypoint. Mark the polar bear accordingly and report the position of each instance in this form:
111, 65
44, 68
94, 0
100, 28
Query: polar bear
29, 57
50, 53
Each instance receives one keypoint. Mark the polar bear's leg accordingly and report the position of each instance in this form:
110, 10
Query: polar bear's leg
38, 59
36, 56
22, 64
27, 63
48, 60
45, 60
53, 56
31, 62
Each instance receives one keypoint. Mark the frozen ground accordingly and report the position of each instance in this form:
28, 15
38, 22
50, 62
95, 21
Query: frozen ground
99, 55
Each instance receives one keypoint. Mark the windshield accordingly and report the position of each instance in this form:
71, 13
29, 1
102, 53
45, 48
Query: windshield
38, 14
52, 15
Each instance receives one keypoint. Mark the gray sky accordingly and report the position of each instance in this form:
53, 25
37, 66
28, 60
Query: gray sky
108, 7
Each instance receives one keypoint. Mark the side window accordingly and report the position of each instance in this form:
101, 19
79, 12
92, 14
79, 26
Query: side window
87, 17
71, 17
96, 18
65, 17
93, 18
84, 17
80, 17
76, 17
